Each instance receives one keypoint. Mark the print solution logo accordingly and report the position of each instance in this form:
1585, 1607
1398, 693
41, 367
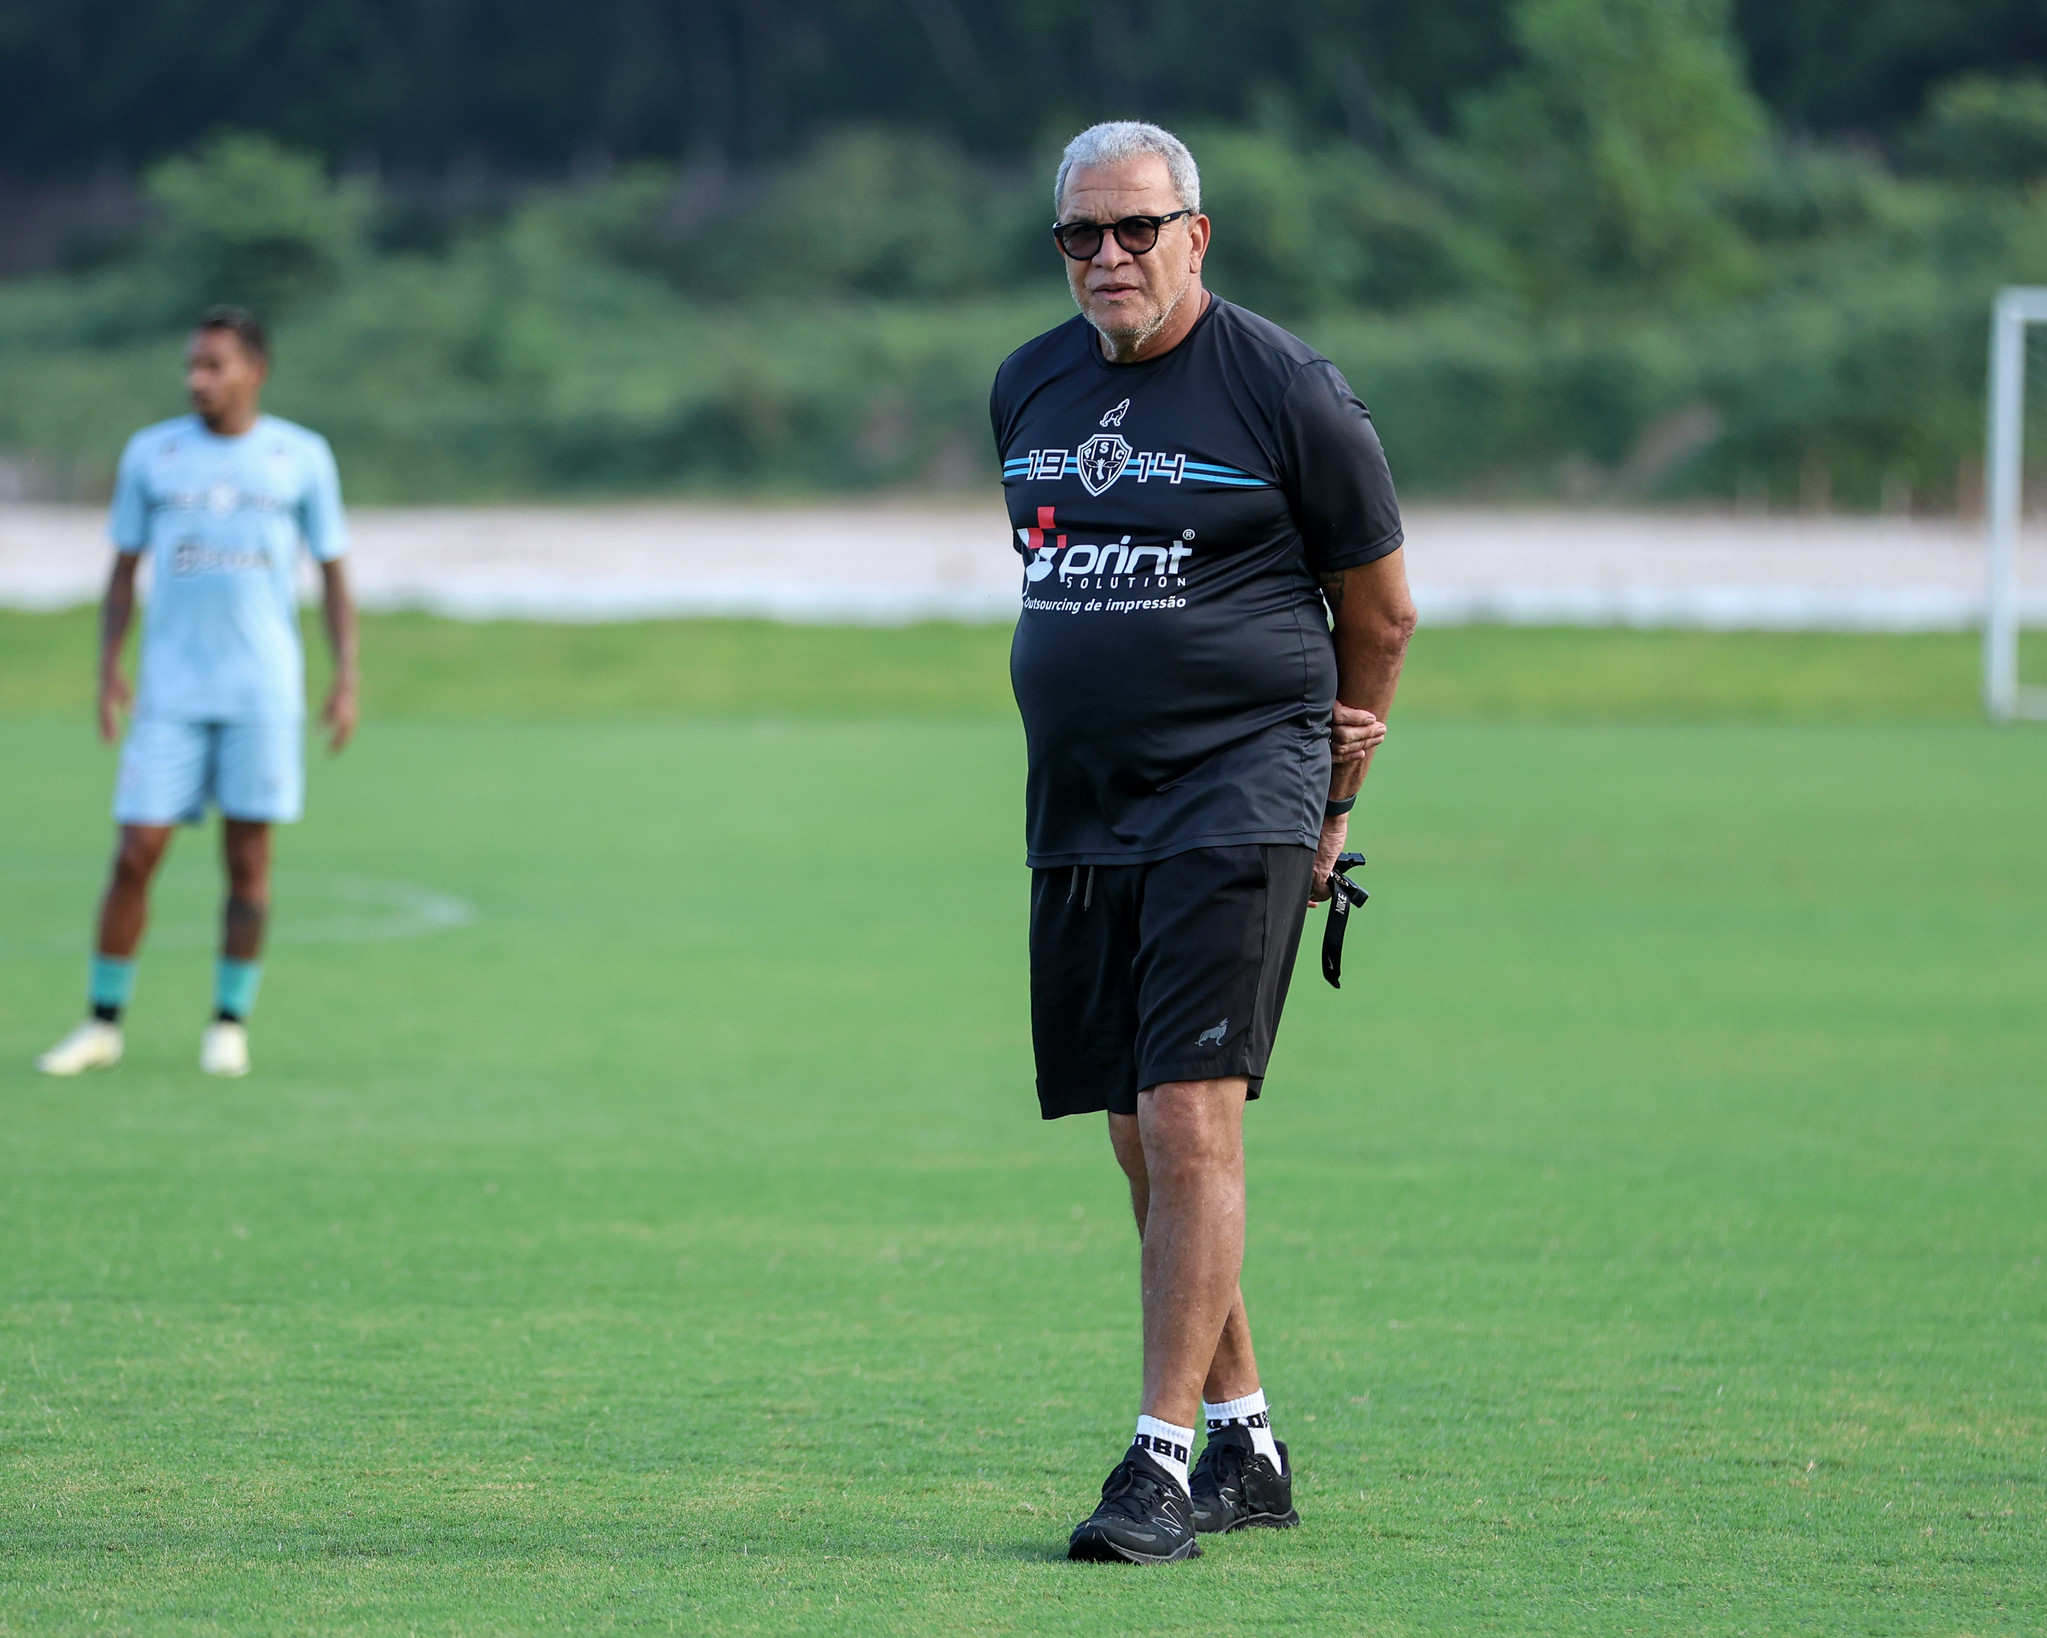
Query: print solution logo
1119, 565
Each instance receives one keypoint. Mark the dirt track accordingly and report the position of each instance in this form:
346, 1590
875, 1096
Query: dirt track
894, 561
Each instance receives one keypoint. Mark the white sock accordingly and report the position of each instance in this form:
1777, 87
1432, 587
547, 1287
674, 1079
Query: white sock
1167, 1445
1250, 1413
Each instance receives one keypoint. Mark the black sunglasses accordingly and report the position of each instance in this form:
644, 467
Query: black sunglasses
1136, 234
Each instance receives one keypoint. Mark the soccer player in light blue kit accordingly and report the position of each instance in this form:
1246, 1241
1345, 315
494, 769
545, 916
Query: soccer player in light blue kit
219, 502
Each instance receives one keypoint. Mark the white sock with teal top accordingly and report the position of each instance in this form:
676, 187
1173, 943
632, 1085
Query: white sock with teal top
1249, 1413
234, 989
111, 983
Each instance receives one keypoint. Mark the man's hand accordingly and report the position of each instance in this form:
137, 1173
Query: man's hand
1354, 734
339, 713
1334, 831
114, 695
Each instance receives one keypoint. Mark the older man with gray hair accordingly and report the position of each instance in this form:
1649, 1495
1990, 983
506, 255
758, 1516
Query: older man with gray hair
1214, 616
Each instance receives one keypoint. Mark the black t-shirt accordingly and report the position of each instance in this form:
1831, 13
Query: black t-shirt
1173, 661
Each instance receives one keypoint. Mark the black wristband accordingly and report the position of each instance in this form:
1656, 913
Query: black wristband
1336, 807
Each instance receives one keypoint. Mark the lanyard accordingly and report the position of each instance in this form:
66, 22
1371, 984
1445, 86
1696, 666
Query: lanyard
1345, 896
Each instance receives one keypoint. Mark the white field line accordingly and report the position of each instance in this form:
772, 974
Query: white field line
357, 911
873, 562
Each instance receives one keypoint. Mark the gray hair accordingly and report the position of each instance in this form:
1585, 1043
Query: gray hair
1120, 139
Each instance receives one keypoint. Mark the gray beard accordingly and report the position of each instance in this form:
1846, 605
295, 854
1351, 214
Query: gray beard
1135, 337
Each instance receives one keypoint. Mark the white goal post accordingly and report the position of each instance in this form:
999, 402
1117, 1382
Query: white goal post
2017, 307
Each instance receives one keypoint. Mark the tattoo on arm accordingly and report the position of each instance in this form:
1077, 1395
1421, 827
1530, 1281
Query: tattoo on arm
1332, 591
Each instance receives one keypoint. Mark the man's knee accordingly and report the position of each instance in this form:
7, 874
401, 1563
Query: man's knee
246, 850
1128, 1142
1192, 1129
137, 854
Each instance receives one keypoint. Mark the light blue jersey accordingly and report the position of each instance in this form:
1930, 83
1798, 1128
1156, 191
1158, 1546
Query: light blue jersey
221, 520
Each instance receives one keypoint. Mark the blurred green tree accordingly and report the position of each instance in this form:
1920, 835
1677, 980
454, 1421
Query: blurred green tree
1867, 66
1302, 231
251, 222
1605, 158
870, 212
1607, 247
1985, 130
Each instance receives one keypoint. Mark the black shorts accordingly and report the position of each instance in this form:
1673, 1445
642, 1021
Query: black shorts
1170, 971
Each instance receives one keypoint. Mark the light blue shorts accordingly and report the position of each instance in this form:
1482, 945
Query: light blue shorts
171, 772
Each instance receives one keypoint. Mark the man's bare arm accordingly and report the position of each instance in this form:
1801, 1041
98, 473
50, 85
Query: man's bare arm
337, 610
1372, 617
117, 613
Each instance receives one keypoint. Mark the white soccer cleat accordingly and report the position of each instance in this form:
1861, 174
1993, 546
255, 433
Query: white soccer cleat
224, 1049
95, 1044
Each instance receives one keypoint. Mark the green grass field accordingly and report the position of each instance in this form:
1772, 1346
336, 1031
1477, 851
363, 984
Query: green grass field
1648, 1239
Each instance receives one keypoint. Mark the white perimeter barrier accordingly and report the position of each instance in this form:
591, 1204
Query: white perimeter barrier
882, 562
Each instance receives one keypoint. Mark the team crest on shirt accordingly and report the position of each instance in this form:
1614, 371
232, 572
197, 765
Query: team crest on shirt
1102, 460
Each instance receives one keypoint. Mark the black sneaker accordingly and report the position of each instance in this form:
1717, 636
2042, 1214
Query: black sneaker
1235, 1487
1144, 1518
